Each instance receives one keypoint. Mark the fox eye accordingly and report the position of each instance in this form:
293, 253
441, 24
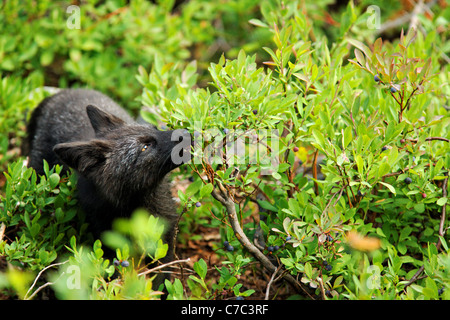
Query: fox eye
144, 148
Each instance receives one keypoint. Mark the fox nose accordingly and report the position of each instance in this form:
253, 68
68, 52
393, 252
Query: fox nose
180, 144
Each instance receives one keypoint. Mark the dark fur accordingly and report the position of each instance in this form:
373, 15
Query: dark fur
89, 132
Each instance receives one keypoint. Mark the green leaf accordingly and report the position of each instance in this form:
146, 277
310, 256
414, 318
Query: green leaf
53, 180
206, 190
387, 185
383, 169
442, 201
34, 230
308, 270
161, 250
419, 207
258, 23
193, 188
266, 205
320, 140
361, 46
201, 268
360, 164
347, 137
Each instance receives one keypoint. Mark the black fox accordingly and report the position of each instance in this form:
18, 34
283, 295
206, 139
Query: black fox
121, 164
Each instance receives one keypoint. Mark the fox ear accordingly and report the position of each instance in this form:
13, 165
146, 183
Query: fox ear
102, 121
83, 155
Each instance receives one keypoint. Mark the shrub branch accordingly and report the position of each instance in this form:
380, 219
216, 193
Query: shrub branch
225, 199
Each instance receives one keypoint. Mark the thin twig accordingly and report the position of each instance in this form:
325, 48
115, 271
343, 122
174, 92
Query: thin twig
43, 286
430, 139
271, 281
163, 266
403, 19
415, 277
443, 214
38, 276
334, 195
418, 9
322, 289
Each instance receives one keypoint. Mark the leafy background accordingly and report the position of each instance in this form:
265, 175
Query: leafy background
357, 208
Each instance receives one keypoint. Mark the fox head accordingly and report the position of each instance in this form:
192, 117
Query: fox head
125, 159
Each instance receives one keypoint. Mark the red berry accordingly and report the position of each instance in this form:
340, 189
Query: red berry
295, 149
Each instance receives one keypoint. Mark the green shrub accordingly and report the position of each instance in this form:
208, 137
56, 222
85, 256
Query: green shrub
101, 44
40, 216
385, 167
17, 96
88, 274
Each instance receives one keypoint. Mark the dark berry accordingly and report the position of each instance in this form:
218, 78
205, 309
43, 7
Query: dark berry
276, 248
329, 238
328, 267
288, 238
441, 291
116, 262
328, 293
230, 248
300, 162
325, 262
270, 248
359, 193
255, 112
239, 298
125, 264
376, 78
383, 149
198, 204
226, 131
393, 89
407, 180
226, 243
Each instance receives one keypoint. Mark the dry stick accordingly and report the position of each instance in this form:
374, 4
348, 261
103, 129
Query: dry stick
229, 205
2, 230
322, 289
38, 276
430, 139
163, 266
270, 282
